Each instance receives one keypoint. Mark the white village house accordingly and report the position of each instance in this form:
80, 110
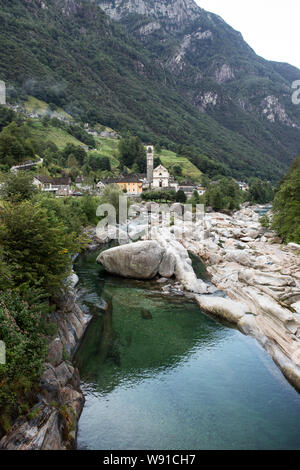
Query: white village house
243, 186
59, 186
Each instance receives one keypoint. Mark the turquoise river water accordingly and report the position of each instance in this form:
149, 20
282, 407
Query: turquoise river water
157, 373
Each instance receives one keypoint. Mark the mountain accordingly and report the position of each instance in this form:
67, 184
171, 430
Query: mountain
216, 70
167, 71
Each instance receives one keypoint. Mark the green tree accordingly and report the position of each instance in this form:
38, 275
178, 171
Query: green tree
180, 196
16, 143
224, 195
35, 245
176, 171
132, 151
76, 151
6, 117
17, 187
72, 162
156, 162
22, 330
260, 192
82, 135
5, 273
286, 206
215, 199
97, 162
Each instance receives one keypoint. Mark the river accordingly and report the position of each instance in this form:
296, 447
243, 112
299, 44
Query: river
157, 373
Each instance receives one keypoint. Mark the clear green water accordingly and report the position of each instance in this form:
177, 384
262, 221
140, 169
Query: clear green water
159, 374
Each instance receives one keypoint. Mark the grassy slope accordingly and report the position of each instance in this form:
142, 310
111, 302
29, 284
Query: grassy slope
53, 134
189, 171
108, 148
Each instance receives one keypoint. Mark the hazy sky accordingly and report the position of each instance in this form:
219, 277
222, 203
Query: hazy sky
270, 27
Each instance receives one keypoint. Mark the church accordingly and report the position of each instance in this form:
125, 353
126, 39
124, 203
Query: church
158, 177
161, 177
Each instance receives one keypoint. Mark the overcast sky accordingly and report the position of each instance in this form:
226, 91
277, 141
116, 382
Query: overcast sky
270, 27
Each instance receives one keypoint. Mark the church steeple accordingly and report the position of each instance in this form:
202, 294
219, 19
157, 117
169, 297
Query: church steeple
150, 163
2, 92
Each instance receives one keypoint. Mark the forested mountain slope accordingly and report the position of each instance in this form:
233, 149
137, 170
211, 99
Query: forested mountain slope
149, 74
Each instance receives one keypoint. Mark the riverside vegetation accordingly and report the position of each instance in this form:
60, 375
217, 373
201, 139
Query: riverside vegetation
38, 236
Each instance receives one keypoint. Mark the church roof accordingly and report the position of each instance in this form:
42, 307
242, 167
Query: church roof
160, 167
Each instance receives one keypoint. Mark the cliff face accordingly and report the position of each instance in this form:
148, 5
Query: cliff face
214, 67
176, 11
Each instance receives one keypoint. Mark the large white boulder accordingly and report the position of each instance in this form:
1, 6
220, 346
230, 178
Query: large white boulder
139, 260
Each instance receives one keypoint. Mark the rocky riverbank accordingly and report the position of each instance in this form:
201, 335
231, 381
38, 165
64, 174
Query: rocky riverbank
52, 422
261, 278
259, 275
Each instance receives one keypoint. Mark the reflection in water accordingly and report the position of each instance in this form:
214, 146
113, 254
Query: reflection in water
143, 338
158, 374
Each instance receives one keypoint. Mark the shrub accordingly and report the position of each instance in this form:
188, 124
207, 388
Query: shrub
265, 221
17, 187
36, 245
286, 208
21, 331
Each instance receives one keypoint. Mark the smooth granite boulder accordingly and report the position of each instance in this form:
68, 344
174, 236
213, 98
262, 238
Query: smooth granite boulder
139, 260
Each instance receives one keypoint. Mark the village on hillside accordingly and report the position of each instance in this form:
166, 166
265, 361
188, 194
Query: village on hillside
134, 185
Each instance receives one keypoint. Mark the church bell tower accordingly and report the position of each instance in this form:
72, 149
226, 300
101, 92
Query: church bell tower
150, 163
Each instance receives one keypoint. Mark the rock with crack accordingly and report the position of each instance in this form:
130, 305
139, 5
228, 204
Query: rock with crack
184, 272
168, 265
254, 278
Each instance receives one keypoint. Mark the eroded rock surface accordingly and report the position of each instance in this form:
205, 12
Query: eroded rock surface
52, 423
261, 277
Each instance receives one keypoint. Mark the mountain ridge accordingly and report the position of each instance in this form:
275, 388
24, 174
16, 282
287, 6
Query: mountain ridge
71, 54
226, 79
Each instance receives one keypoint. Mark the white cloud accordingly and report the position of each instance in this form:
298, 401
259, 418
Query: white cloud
270, 27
